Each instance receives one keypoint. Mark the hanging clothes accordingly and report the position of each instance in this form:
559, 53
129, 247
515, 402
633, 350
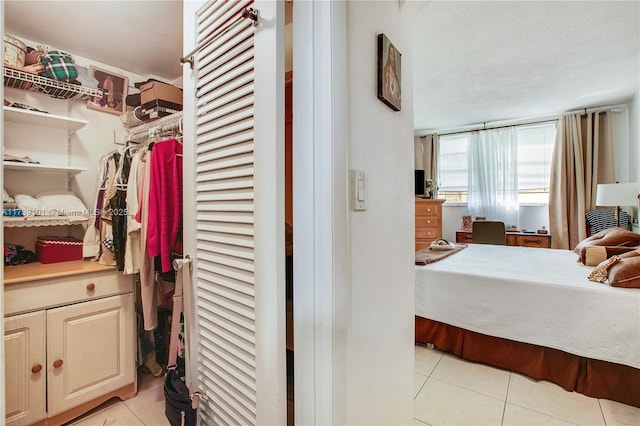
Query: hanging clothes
132, 251
91, 241
148, 295
106, 255
165, 202
117, 206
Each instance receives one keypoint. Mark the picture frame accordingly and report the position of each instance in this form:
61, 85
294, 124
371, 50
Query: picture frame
389, 73
114, 91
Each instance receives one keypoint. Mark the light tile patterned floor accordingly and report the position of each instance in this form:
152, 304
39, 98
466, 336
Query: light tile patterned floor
146, 408
452, 391
447, 391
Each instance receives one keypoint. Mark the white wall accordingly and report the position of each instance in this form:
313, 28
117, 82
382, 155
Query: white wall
634, 138
381, 322
623, 163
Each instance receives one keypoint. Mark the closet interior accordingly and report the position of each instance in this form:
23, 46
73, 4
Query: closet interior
80, 314
91, 184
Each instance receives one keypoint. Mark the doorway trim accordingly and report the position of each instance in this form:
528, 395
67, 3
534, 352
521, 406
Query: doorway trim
320, 210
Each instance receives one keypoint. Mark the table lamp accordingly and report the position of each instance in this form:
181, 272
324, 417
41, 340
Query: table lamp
617, 194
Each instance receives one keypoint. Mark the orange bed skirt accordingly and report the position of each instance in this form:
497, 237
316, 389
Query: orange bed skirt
598, 379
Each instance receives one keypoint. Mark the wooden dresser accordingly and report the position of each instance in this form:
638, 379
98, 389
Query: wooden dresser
523, 239
428, 221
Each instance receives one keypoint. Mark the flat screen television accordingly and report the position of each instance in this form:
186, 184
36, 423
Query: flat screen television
419, 182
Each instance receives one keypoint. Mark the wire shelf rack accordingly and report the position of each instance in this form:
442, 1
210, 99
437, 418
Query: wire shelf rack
17, 79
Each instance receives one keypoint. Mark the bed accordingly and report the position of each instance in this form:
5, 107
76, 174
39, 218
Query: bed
533, 311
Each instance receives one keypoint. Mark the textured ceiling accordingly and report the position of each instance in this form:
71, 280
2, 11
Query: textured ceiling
142, 36
483, 61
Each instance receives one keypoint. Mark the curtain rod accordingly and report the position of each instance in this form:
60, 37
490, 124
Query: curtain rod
493, 127
518, 122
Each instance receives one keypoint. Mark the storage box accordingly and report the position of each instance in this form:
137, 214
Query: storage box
155, 90
58, 249
15, 51
157, 109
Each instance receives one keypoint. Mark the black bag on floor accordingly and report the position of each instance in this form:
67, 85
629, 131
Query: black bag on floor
177, 402
180, 404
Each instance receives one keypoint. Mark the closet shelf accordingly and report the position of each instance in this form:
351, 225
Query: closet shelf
17, 79
13, 165
36, 221
157, 127
19, 115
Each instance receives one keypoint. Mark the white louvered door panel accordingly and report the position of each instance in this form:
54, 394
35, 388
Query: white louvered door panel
238, 334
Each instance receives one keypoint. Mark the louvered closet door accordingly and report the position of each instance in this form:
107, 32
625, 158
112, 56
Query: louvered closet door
238, 213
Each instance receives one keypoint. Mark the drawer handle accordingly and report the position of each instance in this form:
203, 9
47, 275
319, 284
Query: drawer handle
91, 286
532, 241
57, 363
36, 368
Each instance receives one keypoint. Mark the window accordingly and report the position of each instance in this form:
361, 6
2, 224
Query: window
535, 148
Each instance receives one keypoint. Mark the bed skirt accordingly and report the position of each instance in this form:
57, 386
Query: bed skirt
594, 378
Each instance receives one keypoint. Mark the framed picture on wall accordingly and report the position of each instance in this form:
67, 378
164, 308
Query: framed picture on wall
114, 91
389, 73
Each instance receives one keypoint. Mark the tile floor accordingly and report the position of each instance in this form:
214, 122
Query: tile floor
146, 408
452, 391
447, 391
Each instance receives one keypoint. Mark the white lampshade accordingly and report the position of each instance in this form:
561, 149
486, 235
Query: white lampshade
617, 194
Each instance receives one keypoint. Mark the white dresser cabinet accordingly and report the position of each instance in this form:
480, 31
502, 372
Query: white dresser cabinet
69, 339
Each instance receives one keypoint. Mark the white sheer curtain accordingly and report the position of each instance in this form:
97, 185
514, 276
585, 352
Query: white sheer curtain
493, 175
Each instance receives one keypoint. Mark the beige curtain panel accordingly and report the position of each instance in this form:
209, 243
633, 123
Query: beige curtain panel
582, 158
426, 156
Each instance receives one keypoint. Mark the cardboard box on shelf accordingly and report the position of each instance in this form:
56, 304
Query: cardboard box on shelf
155, 90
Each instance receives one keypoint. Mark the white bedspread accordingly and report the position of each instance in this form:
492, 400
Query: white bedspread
532, 295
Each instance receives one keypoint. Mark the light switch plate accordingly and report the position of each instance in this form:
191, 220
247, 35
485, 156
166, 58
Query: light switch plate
358, 190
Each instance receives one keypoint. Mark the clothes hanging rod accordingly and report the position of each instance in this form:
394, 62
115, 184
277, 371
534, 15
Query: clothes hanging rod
171, 122
248, 13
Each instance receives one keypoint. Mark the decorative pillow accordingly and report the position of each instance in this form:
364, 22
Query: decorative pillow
599, 274
610, 237
594, 255
628, 254
625, 273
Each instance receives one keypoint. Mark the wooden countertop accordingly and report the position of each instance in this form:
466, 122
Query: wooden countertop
39, 271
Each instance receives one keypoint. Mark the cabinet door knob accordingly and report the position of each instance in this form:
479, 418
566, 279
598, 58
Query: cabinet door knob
91, 286
57, 363
36, 368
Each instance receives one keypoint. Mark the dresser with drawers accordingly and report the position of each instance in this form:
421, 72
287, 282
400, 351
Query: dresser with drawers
428, 224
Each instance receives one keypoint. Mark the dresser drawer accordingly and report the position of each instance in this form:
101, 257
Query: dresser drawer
543, 241
428, 233
46, 293
427, 222
464, 237
427, 209
422, 243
